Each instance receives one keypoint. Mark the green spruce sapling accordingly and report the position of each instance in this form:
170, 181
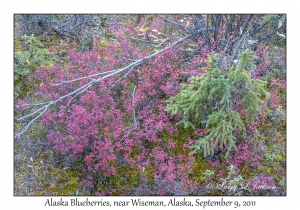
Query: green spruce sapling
207, 101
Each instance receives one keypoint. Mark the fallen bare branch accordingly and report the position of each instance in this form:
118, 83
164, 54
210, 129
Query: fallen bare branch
77, 79
86, 86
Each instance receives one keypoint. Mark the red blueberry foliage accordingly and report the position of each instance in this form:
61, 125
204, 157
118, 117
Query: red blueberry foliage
120, 120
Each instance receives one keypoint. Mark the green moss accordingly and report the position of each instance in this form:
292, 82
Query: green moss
180, 138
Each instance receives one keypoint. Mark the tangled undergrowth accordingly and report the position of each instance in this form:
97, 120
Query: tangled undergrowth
118, 137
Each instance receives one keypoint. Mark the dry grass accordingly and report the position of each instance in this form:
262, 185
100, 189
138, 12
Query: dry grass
39, 170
